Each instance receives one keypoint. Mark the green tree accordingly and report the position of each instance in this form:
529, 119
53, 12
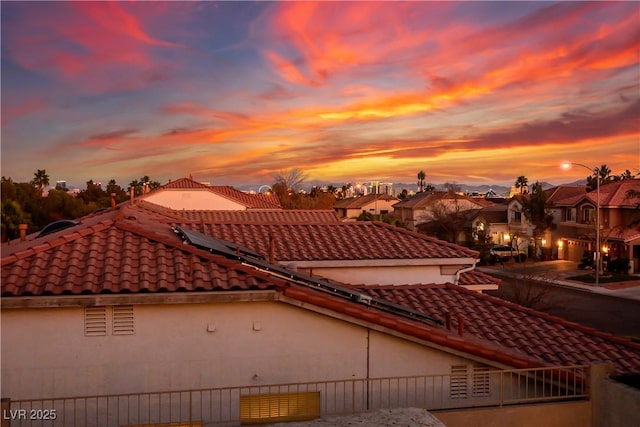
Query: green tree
603, 173
113, 188
12, 216
536, 210
139, 184
522, 184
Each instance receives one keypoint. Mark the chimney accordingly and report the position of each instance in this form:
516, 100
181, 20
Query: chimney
460, 325
272, 249
23, 232
448, 321
132, 191
113, 200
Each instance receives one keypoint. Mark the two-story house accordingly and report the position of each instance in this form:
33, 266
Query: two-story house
619, 227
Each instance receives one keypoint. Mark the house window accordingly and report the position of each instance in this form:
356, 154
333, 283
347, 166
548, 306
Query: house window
459, 384
570, 214
481, 381
517, 216
118, 319
587, 215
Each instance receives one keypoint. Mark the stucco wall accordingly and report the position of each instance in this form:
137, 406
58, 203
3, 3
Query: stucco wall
388, 275
192, 199
184, 346
571, 414
617, 405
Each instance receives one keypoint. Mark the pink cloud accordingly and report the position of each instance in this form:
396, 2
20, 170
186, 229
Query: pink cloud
90, 43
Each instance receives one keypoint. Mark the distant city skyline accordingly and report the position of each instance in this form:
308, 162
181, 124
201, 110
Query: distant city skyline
233, 92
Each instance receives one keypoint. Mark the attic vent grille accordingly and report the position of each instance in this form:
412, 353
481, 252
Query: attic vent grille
95, 321
481, 381
123, 320
459, 382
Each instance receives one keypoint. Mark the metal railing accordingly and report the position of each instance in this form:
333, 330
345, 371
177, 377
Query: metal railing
220, 406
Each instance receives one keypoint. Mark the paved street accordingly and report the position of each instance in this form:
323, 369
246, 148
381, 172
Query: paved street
613, 307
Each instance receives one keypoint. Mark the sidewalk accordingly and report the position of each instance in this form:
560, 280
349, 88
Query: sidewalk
558, 272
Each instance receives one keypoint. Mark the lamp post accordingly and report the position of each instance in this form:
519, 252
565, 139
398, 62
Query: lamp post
567, 166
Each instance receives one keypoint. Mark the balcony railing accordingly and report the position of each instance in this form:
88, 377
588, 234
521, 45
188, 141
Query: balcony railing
222, 406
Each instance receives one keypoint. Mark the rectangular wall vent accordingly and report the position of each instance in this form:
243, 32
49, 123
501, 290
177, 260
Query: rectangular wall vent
123, 320
481, 381
95, 321
459, 382
279, 407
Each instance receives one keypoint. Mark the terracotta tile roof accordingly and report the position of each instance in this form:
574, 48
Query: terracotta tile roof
423, 200
550, 339
558, 195
361, 201
121, 255
475, 277
615, 194
251, 201
184, 184
496, 214
126, 250
338, 241
274, 216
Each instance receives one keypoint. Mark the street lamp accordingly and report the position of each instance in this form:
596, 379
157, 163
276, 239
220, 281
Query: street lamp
567, 166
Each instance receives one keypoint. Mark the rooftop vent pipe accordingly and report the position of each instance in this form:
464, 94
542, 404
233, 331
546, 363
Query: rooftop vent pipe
23, 232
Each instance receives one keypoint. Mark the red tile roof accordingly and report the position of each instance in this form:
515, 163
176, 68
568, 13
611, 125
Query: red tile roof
475, 277
251, 201
547, 338
184, 184
423, 200
338, 241
121, 255
126, 250
615, 194
559, 195
274, 216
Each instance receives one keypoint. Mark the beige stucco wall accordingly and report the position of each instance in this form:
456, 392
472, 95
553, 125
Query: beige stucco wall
192, 199
383, 275
569, 414
185, 346
617, 405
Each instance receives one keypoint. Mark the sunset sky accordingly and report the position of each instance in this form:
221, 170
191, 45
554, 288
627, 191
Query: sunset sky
233, 92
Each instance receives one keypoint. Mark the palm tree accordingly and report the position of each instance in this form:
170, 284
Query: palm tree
421, 177
521, 183
41, 179
603, 173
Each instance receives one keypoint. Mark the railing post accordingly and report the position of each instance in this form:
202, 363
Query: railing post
597, 374
5, 405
